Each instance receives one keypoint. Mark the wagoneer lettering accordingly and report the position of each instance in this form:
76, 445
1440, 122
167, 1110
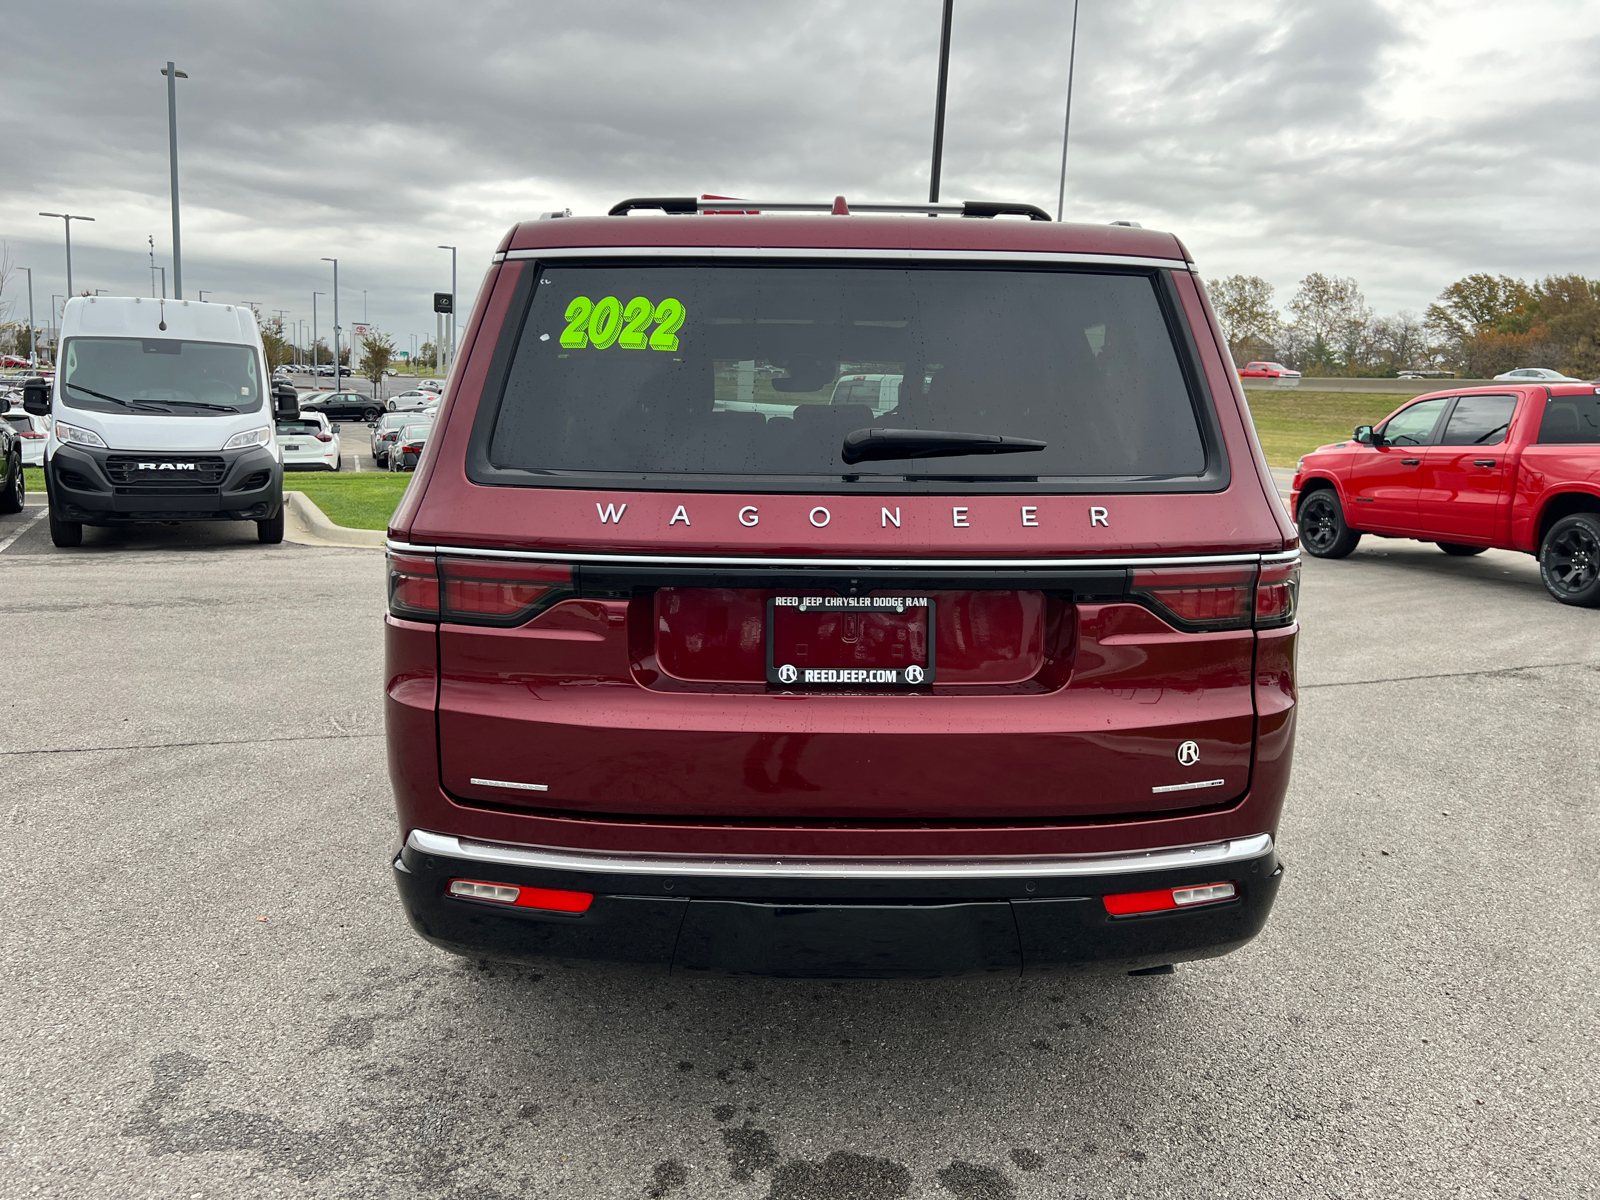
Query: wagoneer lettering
780, 739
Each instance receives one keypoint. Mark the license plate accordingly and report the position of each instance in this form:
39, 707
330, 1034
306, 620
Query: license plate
291, 447
850, 641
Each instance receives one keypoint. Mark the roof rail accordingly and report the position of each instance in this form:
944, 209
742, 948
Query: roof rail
967, 208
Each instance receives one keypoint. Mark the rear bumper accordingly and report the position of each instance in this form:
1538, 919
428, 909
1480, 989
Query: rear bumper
839, 918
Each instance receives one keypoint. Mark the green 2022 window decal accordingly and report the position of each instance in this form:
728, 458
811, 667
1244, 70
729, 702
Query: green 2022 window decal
609, 322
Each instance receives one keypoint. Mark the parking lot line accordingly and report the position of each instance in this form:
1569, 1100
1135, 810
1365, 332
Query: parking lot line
23, 528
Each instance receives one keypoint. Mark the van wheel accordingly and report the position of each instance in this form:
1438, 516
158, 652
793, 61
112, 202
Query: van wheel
65, 534
1569, 560
270, 533
16, 489
1323, 531
1460, 551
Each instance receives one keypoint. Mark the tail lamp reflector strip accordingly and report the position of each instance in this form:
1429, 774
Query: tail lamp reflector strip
1127, 904
547, 899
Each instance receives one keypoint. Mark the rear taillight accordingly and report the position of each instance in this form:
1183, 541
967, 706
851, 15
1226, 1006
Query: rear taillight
1277, 594
1129, 904
28, 433
548, 899
1201, 599
324, 437
415, 448
1198, 598
469, 591
413, 587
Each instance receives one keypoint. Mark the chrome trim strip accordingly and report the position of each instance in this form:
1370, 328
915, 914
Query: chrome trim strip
1171, 787
892, 254
1281, 556
615, 863
686, 560
506, 783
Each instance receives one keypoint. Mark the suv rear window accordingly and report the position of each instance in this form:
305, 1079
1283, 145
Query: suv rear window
700, 376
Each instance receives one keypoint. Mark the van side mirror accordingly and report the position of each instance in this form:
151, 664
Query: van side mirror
1364, 435
285, 402
36, 397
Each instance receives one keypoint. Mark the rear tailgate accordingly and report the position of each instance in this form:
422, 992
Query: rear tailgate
633, 694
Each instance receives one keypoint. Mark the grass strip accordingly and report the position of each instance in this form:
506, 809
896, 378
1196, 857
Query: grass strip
1292, 422
354, 499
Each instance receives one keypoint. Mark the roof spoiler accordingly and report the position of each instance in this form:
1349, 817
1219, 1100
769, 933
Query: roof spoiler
967, 208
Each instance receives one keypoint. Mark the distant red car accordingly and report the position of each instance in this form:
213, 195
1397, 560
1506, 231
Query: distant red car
1267, 370
11, 360
694, 661
1514, 468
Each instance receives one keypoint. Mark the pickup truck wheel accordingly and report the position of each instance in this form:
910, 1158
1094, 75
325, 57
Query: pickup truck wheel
1322, 529
1460, 551
1569, 560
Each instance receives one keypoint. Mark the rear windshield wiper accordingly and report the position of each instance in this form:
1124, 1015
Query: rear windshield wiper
113, 399
871, 445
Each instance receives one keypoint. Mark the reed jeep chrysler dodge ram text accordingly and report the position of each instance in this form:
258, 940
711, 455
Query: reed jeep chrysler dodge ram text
695, 661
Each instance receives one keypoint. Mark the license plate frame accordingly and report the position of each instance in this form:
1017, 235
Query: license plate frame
789, 675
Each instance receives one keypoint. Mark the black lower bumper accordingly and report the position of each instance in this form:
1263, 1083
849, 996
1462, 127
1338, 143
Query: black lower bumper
86, 486
838, 928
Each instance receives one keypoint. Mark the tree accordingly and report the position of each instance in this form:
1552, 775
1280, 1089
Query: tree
1250, 322
376, 351
1331, 316
272, 341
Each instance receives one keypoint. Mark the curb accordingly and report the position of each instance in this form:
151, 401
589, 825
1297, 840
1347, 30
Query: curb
308, 525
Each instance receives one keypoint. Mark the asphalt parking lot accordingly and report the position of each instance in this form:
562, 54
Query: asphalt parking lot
209, 990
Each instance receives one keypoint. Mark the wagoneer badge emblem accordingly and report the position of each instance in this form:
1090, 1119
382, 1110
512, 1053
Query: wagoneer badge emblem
1188, 754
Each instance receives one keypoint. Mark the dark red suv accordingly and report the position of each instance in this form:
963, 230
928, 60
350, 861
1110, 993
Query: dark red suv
697, 658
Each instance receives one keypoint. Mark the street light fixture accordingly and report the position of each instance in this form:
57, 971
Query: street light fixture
67, 219
173, 75
452, 325
201, 294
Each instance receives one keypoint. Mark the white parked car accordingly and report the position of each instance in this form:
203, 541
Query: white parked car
310, 442
410, 401
433, 385
33, 432
881, 393
1538, 375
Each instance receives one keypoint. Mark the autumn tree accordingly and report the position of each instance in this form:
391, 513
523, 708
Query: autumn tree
1250, 321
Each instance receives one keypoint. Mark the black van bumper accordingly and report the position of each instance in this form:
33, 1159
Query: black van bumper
109, 487
753, 919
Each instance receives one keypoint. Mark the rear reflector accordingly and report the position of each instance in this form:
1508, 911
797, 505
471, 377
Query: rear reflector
548, 899
1128, 903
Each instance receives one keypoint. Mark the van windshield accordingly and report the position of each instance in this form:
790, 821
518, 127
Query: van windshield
160, 376
727, 370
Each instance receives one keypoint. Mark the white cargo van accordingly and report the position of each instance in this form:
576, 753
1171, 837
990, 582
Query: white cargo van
163, 411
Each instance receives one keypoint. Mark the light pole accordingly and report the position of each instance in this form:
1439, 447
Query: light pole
163, 271
67, 219
363, 306
314, 355
938, 104
1066, 125
451, 325
33, 349
173, 75
202, 295
335, 263
54, 337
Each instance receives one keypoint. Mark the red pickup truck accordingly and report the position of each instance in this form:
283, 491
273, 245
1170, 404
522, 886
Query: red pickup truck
1514, 468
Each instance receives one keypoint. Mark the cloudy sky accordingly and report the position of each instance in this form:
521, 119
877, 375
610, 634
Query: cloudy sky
1403, 143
